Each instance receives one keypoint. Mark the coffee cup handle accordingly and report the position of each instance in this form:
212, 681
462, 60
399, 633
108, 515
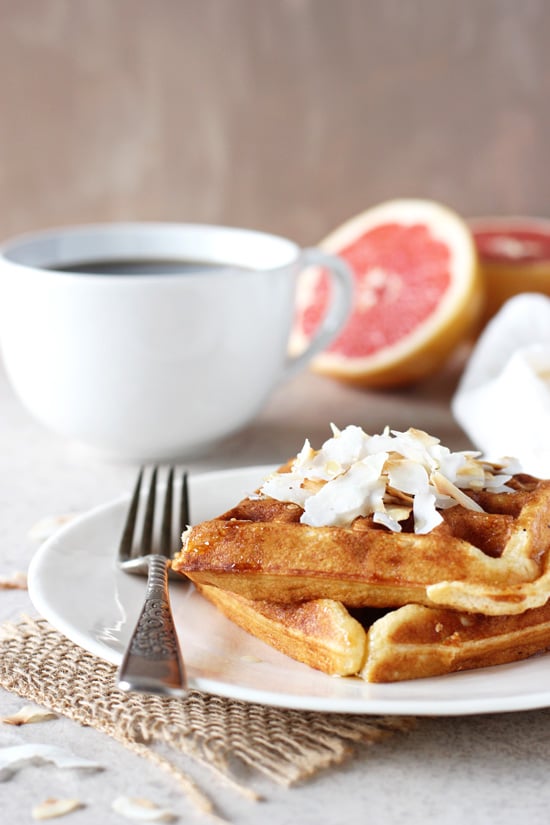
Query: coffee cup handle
337, 312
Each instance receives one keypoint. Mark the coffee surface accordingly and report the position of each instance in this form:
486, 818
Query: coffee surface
138, 267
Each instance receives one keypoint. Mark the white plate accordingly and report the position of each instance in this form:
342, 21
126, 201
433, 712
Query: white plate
74, 584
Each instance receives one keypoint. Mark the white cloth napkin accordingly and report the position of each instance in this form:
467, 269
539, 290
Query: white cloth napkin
503, 399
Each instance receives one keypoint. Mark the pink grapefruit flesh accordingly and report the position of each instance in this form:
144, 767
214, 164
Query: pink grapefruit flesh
416, 294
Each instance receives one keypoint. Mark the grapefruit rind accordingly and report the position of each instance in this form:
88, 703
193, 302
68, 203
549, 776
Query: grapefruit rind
421, 352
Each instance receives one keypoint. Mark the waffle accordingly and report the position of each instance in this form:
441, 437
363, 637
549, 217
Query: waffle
416, 641
494, 562
410, 642
321, 633
443, 556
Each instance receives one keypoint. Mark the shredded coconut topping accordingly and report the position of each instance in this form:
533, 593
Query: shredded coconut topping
388, 476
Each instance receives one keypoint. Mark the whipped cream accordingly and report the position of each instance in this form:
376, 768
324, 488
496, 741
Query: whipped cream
388, 476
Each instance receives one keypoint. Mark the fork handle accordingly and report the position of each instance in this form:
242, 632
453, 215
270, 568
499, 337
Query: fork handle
153, 662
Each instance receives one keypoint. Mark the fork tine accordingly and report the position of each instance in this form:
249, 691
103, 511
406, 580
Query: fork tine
184, 506
126, 539
148, 520
166, 524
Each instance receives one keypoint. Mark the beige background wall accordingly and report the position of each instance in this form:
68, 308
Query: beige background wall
286, 115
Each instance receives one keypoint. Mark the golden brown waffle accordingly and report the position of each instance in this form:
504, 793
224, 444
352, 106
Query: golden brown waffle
472, 592
494, 562
408, 643
416, 641
320, 632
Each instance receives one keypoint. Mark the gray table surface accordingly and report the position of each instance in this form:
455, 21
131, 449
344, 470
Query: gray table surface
476, 768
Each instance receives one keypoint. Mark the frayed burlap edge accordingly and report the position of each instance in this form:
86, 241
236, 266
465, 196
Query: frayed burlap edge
40, 664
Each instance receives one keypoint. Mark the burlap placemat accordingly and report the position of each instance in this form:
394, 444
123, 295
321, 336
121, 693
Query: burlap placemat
40, 664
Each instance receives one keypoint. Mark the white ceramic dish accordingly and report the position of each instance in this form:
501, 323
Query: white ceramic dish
74, 584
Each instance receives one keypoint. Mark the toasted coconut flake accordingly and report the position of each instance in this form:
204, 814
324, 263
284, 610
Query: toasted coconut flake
305, 454
51, 808
29, 714
16, 581
286, 487
392, 494
355, 474
407, 476
349, 495
312, 486
13, 759
386, 520
426, 516
399, 512
141, 809
446, 487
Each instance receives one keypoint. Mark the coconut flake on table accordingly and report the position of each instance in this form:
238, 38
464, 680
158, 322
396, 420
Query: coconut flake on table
15, 581
52, 808
28, 715
16, 757
143, 810
388, 476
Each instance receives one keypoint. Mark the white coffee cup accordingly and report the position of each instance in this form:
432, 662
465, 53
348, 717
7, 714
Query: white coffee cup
174, 343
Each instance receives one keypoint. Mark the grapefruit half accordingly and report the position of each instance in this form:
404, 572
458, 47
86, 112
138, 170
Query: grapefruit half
514, 257
417, 294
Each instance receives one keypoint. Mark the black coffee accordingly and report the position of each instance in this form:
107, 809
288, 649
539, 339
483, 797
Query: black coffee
138, 267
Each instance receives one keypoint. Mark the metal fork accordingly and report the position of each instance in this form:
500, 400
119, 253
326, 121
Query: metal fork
152, 662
